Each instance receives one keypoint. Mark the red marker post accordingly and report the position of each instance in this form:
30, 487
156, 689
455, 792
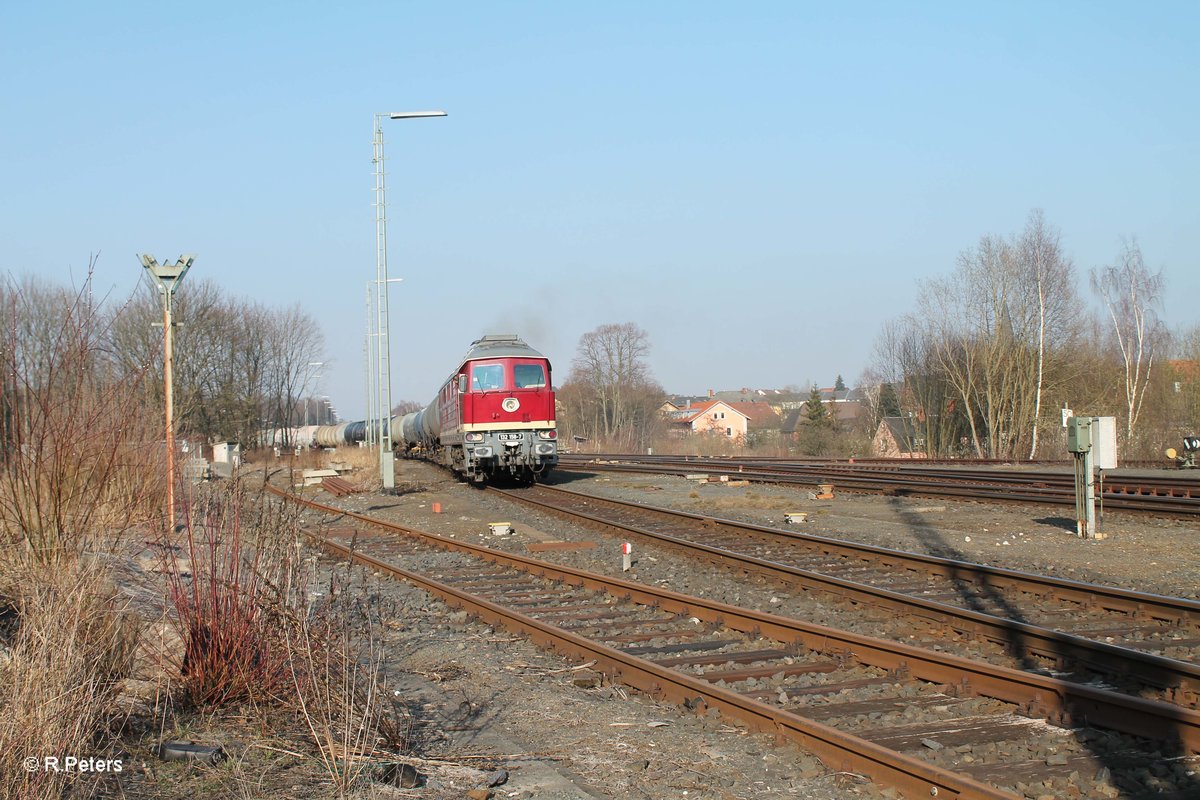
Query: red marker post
626, 556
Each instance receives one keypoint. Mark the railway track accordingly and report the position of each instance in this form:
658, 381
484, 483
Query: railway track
928, 724
1166, 495
1142, 643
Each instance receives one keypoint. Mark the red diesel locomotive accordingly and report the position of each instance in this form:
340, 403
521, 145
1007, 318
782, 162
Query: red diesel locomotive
494, 416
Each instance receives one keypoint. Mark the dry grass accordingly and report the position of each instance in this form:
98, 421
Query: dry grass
72, 645
342, 701
365, 462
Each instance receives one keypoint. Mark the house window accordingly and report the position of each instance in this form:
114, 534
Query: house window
729, 432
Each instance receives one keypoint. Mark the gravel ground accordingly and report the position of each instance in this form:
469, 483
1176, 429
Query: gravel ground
1140, 552
523, 710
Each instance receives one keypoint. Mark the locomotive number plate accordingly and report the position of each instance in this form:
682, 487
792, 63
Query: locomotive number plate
508, 437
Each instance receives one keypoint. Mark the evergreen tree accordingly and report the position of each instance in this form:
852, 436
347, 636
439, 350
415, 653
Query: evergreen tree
815, 411
839, 384
889, 402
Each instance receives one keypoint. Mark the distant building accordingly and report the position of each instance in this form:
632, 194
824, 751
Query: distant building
714, 417
846, 414
899, 437
760, 417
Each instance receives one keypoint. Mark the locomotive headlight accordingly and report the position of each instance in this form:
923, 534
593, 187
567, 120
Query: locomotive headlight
473, 437
547, 434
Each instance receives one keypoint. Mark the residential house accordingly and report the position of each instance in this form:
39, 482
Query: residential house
899, 437
714, 417
761, 420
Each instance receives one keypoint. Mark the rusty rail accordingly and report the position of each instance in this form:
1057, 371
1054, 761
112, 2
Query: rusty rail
1162, 495
1180, 678
1054, 699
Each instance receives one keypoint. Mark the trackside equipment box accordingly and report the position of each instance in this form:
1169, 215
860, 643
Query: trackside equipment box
1104, 442
1079, 430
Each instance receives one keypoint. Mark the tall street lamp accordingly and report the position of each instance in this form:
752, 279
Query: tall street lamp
168, 277
386, 468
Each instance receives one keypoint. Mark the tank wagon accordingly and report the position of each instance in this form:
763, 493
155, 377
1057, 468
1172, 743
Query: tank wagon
493, 416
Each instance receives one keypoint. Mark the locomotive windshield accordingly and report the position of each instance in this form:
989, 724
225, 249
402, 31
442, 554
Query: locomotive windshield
529, 376
487, 377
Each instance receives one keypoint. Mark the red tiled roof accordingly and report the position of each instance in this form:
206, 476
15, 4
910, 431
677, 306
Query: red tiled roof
758, 415
696, 411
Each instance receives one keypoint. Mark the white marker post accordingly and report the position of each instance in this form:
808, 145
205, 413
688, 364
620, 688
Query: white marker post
626, 556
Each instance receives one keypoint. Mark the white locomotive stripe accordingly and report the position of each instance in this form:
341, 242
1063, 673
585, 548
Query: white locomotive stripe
506, 426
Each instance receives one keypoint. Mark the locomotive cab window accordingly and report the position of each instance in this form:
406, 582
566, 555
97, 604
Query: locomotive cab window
487, 377
529, 376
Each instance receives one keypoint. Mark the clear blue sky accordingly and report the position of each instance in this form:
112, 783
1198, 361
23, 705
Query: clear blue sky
757, 185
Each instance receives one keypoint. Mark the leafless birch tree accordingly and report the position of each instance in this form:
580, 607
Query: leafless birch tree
1050, 277
1131, 295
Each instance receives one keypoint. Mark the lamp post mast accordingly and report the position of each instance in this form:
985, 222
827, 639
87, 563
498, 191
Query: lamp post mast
368, 365
168, 277
383, 344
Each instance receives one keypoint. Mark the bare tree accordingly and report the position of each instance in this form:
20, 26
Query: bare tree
1132, 294
906, 358
1185, 383
294, 340
75, 440
609, 392
973, 325
238, 365
996, 323
1051, 277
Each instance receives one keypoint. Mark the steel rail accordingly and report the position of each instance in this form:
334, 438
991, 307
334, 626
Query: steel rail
896, 484
860, 462
1180, 679
869, 461
913, 777
1116, 482
1112, 598
1054, 699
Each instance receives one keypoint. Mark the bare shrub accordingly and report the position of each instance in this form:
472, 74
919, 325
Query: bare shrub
240, 597
230, 603
72, 645
77, 442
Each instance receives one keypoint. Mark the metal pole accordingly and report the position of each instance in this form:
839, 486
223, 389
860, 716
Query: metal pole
168, 342
386, 466
386, 469
167, 278
367, 435
1089, 467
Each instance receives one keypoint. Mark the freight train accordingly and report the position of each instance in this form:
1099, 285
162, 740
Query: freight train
493, 417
